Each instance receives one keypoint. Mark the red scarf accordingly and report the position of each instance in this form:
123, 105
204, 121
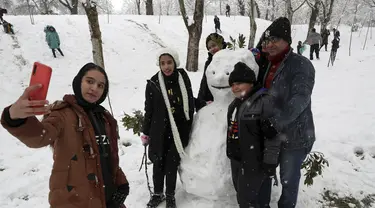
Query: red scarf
275, 63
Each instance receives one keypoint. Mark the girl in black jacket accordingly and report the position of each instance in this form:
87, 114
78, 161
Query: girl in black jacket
214, 43
169, 109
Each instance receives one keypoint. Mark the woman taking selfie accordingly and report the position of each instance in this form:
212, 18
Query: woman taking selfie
83, 136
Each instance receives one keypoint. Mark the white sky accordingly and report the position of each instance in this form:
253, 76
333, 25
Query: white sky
117, 4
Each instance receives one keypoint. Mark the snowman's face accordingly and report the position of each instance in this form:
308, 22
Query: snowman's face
220, 68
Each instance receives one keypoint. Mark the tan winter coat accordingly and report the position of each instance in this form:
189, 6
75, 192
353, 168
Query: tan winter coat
76, 179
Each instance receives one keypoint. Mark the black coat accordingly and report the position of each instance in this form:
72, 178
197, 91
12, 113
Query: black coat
246, 141
156, 122
204, 94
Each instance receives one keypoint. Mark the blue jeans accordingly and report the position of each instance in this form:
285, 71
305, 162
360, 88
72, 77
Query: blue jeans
290, 175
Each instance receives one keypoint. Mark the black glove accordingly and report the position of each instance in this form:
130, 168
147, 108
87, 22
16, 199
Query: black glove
269, 169
118, 198
268, 129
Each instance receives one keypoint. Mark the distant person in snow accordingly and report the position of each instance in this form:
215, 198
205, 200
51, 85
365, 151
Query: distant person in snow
300, 48
227, 10
2, 12
335, 46
336, 33
169, 109
250, 169
8, 28
217, 23
53, 39
314, 39
84, 138
325, 35
290, 78
214, 43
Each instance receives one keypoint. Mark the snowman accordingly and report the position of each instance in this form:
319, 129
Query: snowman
205, 171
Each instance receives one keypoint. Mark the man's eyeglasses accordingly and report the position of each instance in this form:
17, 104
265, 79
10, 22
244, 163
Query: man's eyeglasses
271, 39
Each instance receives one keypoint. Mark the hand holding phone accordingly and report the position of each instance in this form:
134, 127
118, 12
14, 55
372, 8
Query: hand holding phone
24, 107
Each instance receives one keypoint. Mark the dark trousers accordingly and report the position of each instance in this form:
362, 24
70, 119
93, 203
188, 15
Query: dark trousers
54, 52
166, 166
227, 13
325, 46
290, 175
217, 27
252, 190
314, 48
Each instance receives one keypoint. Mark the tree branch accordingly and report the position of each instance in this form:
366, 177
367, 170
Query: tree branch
66, 4
183, 13
299, 6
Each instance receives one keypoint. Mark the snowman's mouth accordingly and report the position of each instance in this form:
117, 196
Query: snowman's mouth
220, 88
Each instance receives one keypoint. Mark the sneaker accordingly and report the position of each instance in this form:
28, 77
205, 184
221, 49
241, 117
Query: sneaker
156, 200
171, 202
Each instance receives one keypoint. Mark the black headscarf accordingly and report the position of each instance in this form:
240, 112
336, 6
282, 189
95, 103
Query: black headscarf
77, 86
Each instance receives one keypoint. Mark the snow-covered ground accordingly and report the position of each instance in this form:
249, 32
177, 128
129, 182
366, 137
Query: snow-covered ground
342, 100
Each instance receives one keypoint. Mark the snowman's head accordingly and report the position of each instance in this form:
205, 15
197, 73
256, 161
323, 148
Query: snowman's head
220, 68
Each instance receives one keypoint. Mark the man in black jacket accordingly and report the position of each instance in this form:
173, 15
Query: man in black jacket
252, 144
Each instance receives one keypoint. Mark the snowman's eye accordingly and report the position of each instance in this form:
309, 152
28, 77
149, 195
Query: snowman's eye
227, 73
213, 72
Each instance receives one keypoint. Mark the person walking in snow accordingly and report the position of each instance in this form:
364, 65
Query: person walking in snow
290, 78
169, 109
227, 10
53, 39
2, 12
335, 46
217, 23
214, 43
314, 40
84, 137
325, 36
251, 169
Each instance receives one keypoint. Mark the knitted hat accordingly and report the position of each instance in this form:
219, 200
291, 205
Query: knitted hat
279, 28
217, 39
168, 51
242, 73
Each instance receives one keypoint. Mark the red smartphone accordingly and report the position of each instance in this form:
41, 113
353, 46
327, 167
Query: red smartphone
41, 74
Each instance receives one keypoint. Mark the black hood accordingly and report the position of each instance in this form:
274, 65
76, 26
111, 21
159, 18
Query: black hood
77, 86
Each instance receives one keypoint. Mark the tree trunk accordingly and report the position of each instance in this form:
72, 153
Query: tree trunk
314, 15
289, 10
327, 15
273, 10
195, 33
73, 6
253, 24
149, 7
257, 9
138, 5
96, 35
268, 9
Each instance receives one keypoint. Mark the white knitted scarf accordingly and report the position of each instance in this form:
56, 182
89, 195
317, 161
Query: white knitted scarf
175, 133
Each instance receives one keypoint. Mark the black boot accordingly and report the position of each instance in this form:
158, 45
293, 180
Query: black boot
171, 201
155, 200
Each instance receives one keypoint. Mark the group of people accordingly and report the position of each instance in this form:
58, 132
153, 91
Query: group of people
317, 41
270, 123
8, 28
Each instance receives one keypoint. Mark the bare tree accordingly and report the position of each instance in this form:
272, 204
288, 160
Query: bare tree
327, 8
96, 35
253, 24
314, 14
149, 7
72, 5
194, 28
241, 7
289, 9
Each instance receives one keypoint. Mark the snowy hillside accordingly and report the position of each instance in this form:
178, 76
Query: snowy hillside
342, 100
